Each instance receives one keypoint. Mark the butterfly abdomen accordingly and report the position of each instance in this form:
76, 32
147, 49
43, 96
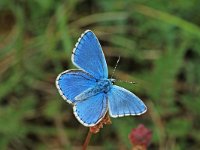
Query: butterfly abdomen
101, 86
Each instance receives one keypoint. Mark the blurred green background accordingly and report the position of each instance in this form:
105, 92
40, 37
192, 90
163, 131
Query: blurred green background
159, 45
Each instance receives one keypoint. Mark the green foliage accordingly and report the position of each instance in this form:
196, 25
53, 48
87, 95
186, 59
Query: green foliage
158, 42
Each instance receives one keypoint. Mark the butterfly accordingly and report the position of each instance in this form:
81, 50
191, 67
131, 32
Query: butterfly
88, 88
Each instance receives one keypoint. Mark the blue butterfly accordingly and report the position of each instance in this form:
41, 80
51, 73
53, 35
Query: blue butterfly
88, 88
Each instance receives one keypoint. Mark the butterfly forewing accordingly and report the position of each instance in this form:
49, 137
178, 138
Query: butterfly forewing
88, 56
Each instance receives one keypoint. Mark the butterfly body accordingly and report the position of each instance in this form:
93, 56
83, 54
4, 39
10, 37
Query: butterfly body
103, 85
89, 89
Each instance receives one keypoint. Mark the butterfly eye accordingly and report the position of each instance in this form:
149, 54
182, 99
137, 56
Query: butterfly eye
112, 80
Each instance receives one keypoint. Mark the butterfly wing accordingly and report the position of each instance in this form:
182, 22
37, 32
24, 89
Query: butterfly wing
88, 56
122, 102
73, 82
90, 111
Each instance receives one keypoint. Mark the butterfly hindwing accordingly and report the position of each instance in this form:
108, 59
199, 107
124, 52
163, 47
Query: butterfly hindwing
73, 82
122, 102
90, 111
88, 56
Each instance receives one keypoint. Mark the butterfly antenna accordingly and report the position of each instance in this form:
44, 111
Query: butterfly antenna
125, 81
117, 79
115, 67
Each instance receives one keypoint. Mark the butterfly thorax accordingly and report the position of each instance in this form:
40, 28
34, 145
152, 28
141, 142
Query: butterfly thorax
103, 85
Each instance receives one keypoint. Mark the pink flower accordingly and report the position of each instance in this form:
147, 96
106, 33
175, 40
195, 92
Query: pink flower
140, 136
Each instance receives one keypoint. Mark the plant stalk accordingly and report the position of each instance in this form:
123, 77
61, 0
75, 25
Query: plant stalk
87, 140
